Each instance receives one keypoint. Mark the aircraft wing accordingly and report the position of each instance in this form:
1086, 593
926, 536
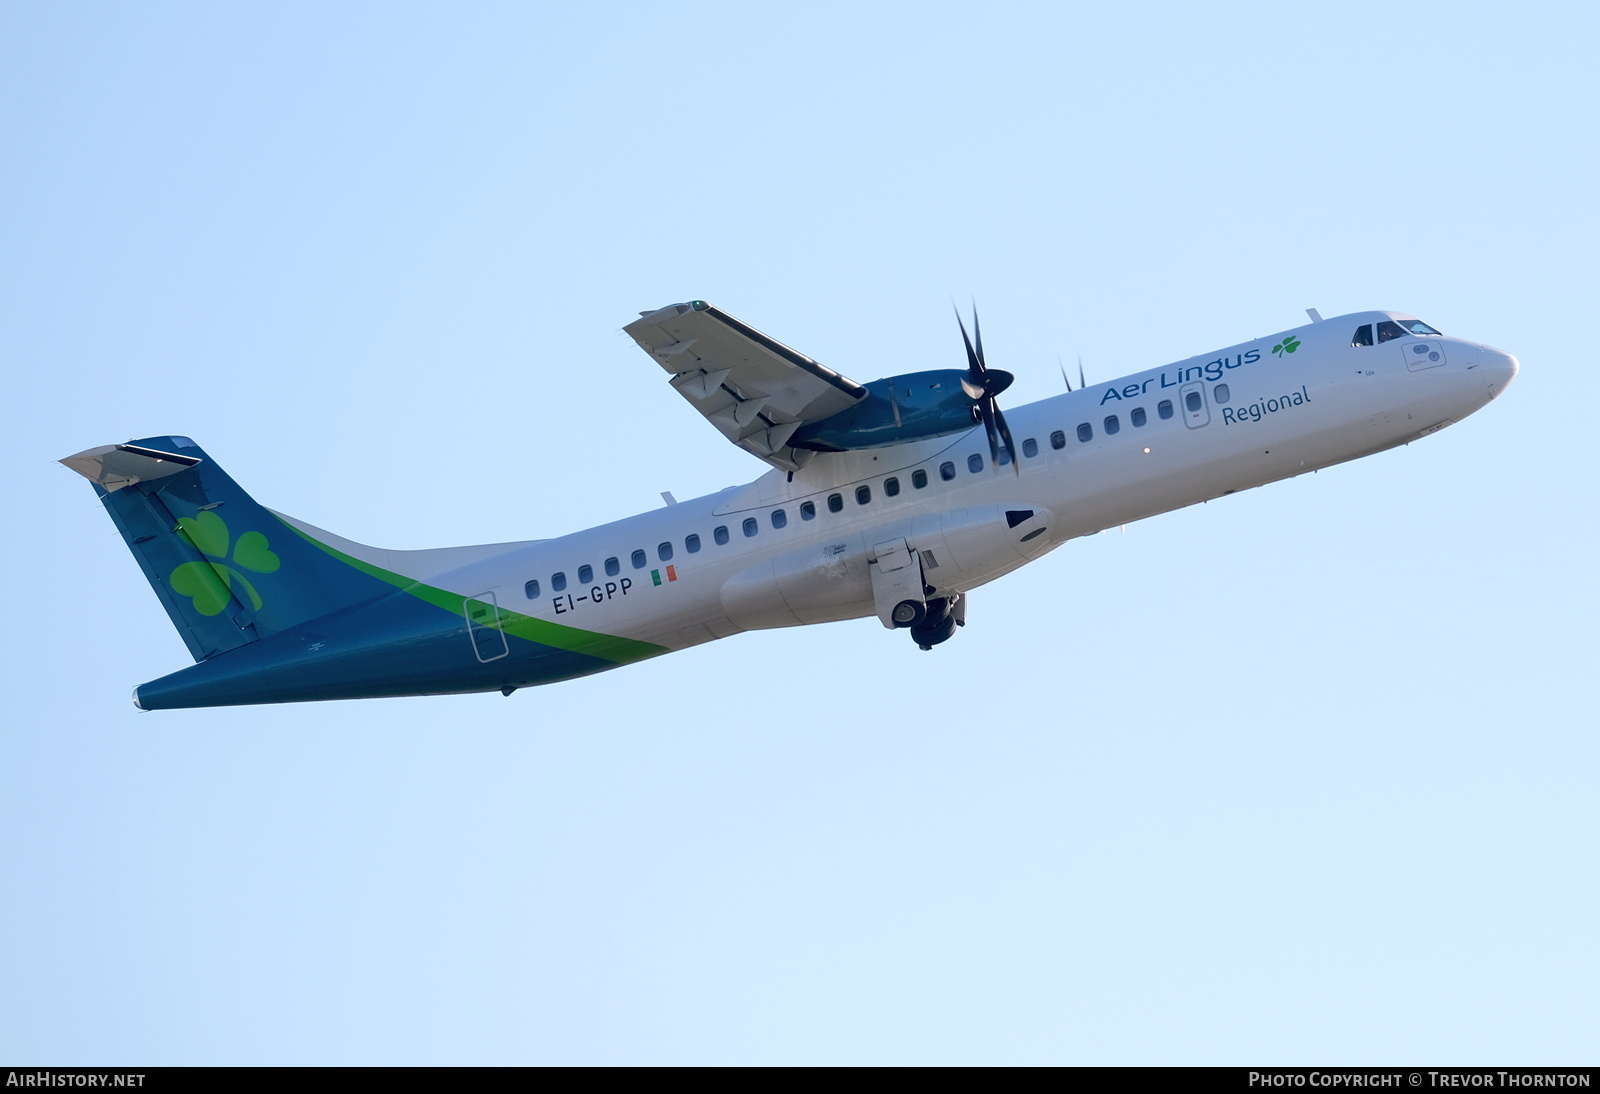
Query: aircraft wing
754, 389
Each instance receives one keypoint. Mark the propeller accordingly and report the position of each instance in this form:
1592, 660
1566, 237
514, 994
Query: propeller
1082, 383
982, 384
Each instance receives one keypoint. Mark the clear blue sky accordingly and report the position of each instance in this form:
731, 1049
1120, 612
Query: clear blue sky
1305, 775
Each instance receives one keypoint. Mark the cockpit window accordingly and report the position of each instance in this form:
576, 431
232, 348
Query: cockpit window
1388, 332
1363, 336
1417, 326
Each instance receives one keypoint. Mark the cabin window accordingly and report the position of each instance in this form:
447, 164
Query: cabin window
947, 470
1363, 335
974, 463
1192, 402
586, 574
919, 478
613, 567
808, 510
531, 590
1111, 424
1004, 459
1030, 448
720, 534
891, 486
638, 558
780, 518
835, 503
863, 494
1221, 393
1164, 408
664, 552
1137, 416
558, 582
691, 543
1058, 439
1417, 326
750, 527
1085, 432
1388, 332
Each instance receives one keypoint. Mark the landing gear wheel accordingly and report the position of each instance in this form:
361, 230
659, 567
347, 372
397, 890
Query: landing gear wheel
939, 625
908, 613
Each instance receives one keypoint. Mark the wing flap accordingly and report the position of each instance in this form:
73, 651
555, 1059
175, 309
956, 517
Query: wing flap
754, 389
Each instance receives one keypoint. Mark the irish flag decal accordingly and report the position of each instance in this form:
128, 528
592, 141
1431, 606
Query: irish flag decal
672, 575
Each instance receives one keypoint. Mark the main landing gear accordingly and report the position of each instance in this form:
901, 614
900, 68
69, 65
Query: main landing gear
941, 616
904, 601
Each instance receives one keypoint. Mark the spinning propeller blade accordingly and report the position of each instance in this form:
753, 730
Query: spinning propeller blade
1005, 437
982, 384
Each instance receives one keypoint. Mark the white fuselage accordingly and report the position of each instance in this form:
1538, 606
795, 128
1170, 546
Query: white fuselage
1240, 417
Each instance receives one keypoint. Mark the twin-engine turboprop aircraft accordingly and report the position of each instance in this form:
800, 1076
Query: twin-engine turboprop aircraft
895, 499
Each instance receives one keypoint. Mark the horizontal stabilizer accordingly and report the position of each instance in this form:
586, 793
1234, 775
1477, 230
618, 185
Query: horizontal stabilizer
114, 466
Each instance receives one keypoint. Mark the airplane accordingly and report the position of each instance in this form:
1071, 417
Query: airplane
893, 499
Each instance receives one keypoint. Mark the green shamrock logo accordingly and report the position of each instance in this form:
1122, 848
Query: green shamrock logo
1288, 345
210, 583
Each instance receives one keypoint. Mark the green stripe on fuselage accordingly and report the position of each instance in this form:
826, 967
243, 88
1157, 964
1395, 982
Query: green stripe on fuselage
607, 647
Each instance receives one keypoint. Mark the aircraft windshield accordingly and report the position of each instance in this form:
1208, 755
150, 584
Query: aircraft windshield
1417, 326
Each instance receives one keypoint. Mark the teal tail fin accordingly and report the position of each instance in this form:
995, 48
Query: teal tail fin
227, 570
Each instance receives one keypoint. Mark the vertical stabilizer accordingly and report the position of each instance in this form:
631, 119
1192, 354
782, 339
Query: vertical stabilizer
227, 570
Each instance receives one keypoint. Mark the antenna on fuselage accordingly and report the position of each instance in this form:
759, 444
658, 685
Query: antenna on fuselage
1315, 316
1064, 379
1082, 383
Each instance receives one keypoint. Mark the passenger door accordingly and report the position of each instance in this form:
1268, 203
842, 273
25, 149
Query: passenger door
483, 624
1192, 398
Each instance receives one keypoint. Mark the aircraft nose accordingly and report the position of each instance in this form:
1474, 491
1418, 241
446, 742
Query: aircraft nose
1499, 369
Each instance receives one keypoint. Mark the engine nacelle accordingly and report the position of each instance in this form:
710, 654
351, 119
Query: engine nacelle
896, 409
